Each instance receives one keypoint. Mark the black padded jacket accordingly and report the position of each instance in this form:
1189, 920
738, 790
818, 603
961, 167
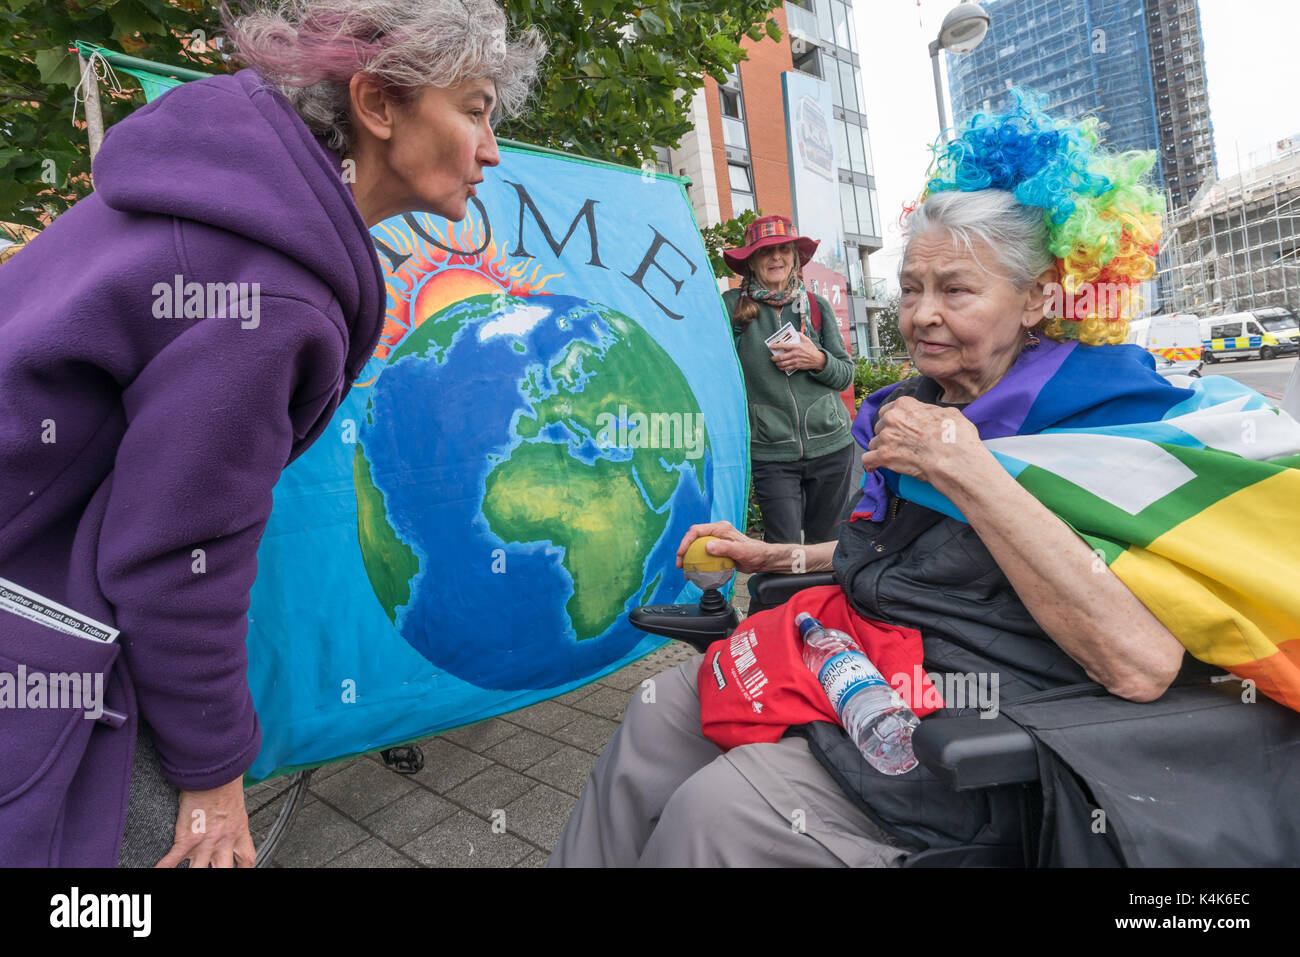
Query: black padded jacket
931, 572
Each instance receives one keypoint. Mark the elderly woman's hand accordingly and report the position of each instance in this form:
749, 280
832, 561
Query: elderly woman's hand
212, 829
748, 554
751, 555
926, 442
805, 354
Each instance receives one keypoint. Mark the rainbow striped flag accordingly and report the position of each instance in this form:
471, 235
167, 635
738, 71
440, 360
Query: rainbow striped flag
1190, 495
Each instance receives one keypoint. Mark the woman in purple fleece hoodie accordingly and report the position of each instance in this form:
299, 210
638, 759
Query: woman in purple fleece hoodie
141, 431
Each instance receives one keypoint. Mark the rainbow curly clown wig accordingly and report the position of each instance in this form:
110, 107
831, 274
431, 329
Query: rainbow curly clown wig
1103, 220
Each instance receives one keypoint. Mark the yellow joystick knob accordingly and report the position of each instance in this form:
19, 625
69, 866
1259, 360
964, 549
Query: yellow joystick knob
697, 559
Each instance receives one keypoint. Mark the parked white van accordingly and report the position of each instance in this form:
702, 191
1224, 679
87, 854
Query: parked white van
1174, 341
1264, 333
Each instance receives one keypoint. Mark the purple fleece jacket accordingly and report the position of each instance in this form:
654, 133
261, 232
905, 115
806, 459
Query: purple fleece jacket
138, 452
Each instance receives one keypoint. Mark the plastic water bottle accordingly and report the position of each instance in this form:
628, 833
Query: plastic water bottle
872, 712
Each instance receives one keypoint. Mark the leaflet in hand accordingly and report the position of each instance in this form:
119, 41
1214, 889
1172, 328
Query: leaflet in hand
786, 334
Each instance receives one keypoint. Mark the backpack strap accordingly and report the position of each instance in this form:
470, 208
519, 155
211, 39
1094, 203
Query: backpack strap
815, 312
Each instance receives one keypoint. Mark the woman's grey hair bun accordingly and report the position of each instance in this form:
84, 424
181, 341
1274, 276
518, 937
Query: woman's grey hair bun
310, 49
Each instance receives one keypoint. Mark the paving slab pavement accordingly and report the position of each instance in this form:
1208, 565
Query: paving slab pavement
492, 794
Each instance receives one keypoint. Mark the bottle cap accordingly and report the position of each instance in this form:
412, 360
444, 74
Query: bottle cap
805, 623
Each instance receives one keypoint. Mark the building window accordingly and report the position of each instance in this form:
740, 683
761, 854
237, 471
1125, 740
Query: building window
742, 190
825, 29
810, 63
733, 133
855, 273
849, 86
832, 67
857, 162
730, 100
848, 208
866, 217
732, 104
843, 32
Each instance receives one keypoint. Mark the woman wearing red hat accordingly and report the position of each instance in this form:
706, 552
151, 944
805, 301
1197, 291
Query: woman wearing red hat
800, 443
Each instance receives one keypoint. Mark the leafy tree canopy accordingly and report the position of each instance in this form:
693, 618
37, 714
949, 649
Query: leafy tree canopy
617, 82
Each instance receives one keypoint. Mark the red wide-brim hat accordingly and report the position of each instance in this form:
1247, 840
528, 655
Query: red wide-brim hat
769, 231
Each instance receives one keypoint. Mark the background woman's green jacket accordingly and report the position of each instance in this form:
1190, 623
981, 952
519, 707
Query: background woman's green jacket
800, 416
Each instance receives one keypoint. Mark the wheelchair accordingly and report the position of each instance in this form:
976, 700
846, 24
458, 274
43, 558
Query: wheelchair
968, 752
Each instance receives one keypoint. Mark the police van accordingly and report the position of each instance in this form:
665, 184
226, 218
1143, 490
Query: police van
1174, 342
1264, 333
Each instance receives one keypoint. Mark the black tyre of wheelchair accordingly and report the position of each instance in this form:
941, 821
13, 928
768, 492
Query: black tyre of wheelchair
291, 799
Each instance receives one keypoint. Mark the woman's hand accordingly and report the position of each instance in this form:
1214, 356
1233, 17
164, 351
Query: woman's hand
805, 354
923, 441
755, 556
748, 554
212, 829
1086, 610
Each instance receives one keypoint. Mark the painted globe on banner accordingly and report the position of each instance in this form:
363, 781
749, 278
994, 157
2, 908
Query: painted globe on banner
524, 472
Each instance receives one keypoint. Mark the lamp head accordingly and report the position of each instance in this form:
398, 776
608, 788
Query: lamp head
963, 28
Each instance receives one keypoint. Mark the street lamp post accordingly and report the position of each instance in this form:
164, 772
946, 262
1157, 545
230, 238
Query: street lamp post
963, 29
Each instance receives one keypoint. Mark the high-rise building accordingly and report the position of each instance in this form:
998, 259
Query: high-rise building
774, 139
1182, 98
1137, 65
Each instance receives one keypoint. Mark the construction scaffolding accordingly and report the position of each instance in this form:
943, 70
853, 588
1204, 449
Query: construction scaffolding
1236, 246
1088, 57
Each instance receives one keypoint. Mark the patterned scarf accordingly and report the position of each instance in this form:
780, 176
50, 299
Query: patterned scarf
778, 299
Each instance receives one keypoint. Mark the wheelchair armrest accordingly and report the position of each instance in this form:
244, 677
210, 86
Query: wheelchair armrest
688, 623
769, 589
968, 752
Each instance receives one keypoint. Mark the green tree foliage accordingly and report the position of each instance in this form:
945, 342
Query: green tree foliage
728, 235
620, 75
891, 340
617, 82
45, 159
870, 376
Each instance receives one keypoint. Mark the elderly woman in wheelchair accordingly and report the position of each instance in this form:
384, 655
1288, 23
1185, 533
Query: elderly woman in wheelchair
1021, 512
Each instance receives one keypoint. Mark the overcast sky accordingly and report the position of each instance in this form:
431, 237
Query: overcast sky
1250, 64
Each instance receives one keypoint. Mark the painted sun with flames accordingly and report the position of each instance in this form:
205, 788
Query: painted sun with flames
456, 265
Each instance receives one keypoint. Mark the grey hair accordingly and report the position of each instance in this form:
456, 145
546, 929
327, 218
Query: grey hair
1017, 235
310, 49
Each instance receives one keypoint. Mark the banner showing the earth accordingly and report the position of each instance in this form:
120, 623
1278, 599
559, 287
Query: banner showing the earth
555, 399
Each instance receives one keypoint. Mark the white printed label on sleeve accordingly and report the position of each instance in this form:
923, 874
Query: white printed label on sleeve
27, 604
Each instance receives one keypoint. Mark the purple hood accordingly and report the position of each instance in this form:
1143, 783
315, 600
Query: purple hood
141, 433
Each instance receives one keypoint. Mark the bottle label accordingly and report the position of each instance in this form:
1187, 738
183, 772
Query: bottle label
845, 675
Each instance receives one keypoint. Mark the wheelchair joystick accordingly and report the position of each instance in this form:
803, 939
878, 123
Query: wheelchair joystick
712, 602
708, 573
